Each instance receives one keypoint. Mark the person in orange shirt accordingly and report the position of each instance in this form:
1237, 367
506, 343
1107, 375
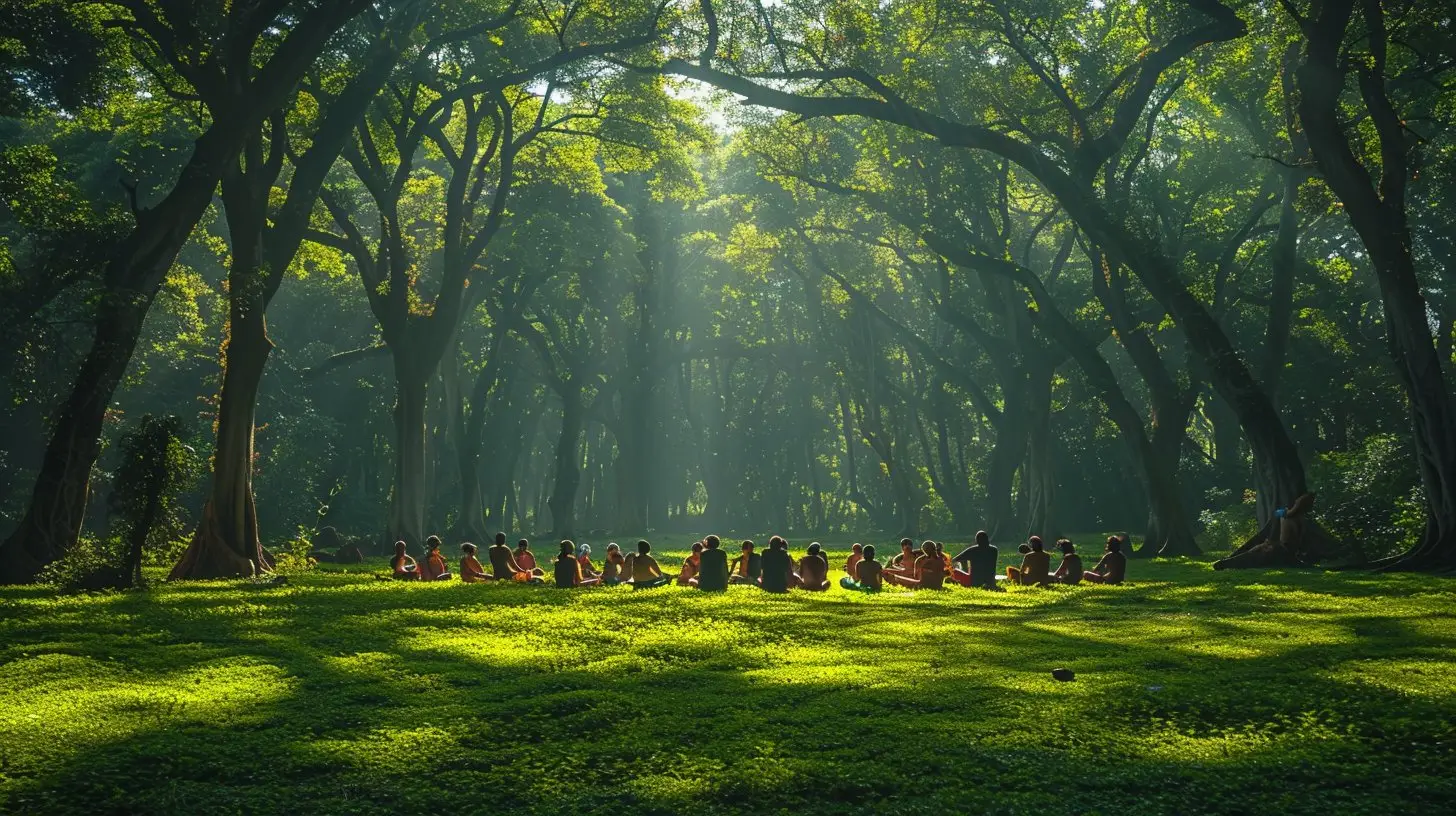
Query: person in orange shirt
690, 565
434, 568
405, 568
470, 570
1035, 566
527, 559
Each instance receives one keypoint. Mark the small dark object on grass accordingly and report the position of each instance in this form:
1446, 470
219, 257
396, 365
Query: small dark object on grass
1064, 675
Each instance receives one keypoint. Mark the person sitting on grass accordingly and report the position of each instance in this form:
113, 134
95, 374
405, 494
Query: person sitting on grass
903, 562
855, 554
1035, 569
470, 569
504, 564
434, 568
981, 558
405, 568
814, 569
612, 565
712, 567
980, 564
867, 573
1068, 572
583, 557
928, 570
747, 567
525, 558
568, 569
944, 559
689, 569
645, 572
777, 567
1112, 569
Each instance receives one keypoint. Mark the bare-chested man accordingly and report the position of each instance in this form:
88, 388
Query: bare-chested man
1112, 569
1035, 569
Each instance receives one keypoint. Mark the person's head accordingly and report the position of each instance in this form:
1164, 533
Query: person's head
500, 539
398, 549
907, 545
869, 552
697, 547
1301, 505
1067, 546
1024, 549
643, 547
568, 547
939, 548
523, 545
1114, 544
857, 549
1035, 542
748, 546
983, 538
467, 548
777, 543
432, 543
712, 542
927, 548
583, 550
613, 549
815, 549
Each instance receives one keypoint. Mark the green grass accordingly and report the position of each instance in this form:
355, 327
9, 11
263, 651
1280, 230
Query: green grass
1196, 692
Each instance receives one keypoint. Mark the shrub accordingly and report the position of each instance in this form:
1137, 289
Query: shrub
1371, 496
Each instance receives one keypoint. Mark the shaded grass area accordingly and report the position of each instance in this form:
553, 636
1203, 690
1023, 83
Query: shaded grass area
1196, 692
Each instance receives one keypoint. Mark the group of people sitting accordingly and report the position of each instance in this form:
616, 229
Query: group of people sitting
708, 567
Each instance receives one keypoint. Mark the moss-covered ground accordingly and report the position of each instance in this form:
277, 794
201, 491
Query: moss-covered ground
1195, 692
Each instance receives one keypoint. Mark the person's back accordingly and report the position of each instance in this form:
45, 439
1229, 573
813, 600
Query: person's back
712, 567
931, 569
869, 573
776, 566
814, 569
982, 558
501, 562
568, 571
1035, 566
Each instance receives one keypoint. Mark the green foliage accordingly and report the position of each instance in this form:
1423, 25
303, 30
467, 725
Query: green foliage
1196, 692
1371, 496
1226, 526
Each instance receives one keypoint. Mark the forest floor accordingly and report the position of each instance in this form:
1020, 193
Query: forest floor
1195, 692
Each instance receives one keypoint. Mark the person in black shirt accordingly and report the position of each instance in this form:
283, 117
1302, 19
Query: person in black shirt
712, 567
777, 566
981, 558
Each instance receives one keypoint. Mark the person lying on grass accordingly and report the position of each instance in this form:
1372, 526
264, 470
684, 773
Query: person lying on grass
645, 572
903, 562
504, 564
1112, 569
778, 567
712, 567
981, 558
852, 562
928, 571
690, 565
867, 573
814, 569
612, 564
1035, 569
434, 568
568, 570
525, 558
748, 567
405, 568
1068, 572
470, 569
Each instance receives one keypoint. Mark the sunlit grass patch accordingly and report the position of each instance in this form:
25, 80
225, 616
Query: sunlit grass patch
1195, 691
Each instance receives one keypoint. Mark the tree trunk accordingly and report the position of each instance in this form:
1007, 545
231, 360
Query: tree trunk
407, 503
1283, 263
226, 543
562, 503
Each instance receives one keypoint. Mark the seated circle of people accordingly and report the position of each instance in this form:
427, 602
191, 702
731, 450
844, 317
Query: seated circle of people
1112, 569
707, 566
747, 567
867, 573
712, 567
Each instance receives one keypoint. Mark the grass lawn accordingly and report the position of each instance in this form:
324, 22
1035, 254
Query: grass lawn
1195, 692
